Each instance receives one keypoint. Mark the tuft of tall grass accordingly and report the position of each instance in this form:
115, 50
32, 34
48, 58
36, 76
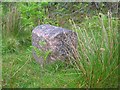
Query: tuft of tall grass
10, 28
14, 36
11, 21
98, 50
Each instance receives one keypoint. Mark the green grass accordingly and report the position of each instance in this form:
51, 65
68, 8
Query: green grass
23, 71
97, 62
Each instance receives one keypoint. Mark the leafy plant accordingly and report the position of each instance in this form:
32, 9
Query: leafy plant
42, 43
32, 14
42, 53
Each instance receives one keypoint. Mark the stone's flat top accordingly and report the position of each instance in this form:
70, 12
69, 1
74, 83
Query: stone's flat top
49, 30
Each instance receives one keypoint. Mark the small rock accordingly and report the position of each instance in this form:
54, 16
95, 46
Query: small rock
53, 43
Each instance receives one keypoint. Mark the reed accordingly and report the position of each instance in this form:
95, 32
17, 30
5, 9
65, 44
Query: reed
98, 49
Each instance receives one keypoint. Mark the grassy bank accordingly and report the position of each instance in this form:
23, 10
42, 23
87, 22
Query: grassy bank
98, 60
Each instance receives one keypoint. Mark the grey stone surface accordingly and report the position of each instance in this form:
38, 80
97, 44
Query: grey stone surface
61, 42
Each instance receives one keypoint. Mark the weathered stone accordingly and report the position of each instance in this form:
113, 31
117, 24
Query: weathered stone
61, 42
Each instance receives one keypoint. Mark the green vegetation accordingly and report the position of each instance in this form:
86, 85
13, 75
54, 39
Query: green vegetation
97, 62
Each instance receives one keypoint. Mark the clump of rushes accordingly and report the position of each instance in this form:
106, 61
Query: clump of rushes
98, 50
